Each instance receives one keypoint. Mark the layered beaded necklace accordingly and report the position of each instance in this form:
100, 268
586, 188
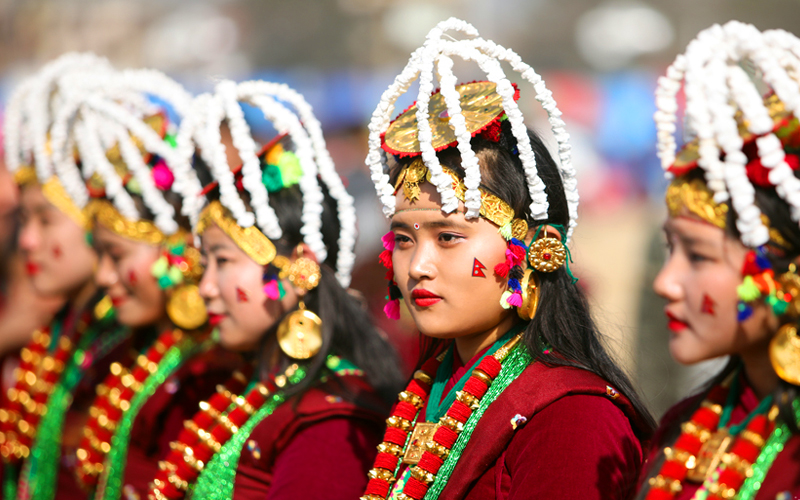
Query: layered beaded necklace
103, 450
204, 459
59, 376
729, 461
432, 450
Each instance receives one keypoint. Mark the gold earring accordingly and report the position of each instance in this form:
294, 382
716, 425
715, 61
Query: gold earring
186, 308
790, 285
784, 353
300, 332
547, 254
530, 295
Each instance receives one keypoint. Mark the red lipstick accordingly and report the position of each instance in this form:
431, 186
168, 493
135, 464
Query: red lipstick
215, 319
31, 268
675, 324
424, 298
117, 301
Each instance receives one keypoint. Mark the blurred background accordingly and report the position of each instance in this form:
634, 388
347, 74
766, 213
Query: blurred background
601, 59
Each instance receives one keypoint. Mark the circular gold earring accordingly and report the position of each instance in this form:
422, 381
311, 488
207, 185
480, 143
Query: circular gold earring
300, 332
784, 353
547, 254
185, 307
530, 295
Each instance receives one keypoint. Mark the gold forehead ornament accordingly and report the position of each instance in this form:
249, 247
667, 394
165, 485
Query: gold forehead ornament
250, 239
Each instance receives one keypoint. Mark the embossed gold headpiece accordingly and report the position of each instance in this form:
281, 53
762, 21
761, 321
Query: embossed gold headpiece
54, 192
492, 207
250, 239
104, 213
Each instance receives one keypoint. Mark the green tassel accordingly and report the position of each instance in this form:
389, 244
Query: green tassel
175, 275
778, 305
164, 282
160, 267
170, 139
281, 291
272, 178
505, 231
291, 172
178, 249
89, 238
748, 291
133, 186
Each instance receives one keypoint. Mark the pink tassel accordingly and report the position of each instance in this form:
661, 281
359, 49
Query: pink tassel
517, 252
388, 241
515, 299
271, 289
392, 309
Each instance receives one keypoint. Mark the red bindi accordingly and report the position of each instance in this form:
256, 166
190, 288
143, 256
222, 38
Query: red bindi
477, 269
708, 305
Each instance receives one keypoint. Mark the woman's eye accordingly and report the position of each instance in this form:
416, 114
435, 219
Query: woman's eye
400, 239
220, 260
696, 257
449, 237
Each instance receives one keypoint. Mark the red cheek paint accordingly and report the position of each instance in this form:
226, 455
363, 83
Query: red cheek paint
708, 305
57, 252
477, 269
240, 295
132, 279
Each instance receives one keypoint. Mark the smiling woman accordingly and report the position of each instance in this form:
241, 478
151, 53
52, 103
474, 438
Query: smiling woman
515, 396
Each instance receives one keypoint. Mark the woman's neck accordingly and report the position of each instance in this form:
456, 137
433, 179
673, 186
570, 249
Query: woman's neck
759, 371
80, 297
470, 345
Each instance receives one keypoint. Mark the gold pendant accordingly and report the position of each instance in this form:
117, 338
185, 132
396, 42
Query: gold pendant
300, 334
710, 456
422, 435
186, 308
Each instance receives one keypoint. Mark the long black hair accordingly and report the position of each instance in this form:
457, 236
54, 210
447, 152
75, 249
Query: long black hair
562, 319
781, 252
347, 330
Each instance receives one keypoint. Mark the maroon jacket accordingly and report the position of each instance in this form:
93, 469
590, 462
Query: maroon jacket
318, 445
783, 476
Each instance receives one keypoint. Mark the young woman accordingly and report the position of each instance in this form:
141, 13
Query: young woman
45, 409
731, 280
515, 396
305, 423
149, 269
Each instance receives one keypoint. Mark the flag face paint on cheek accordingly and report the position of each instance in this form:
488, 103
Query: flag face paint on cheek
57, 252
241, 296
708, 305
477, 269
132, 279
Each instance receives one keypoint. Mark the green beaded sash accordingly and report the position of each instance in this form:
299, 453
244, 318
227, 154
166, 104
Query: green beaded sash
110, 483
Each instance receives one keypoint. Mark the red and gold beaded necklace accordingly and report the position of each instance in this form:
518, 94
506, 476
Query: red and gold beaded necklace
37, 375
426, 445
113, 400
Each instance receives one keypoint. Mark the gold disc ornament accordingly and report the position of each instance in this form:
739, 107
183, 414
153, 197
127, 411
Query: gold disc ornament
530, 295
300, 334
186, 308
784, 353
480, 105
547, 254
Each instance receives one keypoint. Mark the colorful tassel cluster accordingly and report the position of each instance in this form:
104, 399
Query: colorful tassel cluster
512, 268
171, 266
392, 307
273, 288
759, 281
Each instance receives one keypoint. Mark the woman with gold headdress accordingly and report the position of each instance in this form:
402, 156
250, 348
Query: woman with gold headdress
515, 397
147, 266
278, 234
66, 359
731, 279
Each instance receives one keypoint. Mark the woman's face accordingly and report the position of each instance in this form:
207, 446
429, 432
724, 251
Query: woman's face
443, 265
699, 281
233, 290
57, 257
124, 271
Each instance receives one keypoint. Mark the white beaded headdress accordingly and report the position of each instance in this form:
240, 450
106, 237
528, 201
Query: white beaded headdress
32, 108
717, 87
101, 112
436, 55
291, 115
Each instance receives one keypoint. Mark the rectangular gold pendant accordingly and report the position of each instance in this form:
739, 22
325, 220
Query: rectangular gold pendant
423, 433
710, 456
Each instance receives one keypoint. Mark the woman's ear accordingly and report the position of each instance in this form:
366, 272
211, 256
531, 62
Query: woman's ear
303, 250
546, 231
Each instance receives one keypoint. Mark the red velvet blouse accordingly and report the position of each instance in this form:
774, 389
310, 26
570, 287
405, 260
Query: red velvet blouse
784, 475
